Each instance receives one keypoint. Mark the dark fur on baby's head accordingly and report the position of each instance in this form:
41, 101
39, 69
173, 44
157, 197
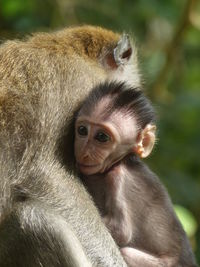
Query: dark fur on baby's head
122, 97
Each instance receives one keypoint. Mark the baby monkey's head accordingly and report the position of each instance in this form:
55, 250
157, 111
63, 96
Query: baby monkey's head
115, 120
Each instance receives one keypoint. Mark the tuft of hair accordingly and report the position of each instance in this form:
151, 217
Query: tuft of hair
129, 100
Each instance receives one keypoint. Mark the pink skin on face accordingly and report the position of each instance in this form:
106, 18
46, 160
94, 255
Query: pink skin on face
93, 156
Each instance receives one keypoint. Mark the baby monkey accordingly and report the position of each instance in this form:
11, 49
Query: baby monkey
114, 129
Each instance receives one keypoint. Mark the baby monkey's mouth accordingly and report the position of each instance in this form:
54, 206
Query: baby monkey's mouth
88, 168
86, 165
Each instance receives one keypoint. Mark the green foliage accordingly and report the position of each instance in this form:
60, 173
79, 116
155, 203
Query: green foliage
187, 219
24, 16
177, 94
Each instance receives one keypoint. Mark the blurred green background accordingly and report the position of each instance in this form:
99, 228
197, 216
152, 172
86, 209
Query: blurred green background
167, 34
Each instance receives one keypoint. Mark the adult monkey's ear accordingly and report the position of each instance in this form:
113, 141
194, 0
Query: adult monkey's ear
145, 141
123, 50
121, 54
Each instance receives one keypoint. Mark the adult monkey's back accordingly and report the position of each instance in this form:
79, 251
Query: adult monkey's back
46, 217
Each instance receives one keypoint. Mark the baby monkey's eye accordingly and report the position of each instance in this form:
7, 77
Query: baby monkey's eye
82, 130
102, 137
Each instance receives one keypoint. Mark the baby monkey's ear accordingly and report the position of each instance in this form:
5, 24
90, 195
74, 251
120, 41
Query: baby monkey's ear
145, 141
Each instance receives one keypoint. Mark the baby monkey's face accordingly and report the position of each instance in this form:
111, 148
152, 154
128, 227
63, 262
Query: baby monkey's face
100, 144
94, 144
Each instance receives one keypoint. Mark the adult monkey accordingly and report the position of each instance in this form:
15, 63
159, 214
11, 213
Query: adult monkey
46, 216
